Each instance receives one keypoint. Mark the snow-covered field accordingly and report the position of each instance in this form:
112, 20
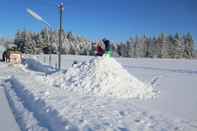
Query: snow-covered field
102, 94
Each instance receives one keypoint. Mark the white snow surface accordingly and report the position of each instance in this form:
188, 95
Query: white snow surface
46, 107
23, 116
7, 119
102, 76
70, 111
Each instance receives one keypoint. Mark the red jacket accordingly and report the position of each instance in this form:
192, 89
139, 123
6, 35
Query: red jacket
99, 50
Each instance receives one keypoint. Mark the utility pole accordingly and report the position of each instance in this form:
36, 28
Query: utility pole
61, 9
50, 45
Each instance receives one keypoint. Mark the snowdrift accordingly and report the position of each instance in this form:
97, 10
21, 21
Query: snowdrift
39, 106
102, 76
34, 65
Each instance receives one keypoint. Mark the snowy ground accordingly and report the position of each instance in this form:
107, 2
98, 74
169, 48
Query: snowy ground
7, 119
38, 105
176, 81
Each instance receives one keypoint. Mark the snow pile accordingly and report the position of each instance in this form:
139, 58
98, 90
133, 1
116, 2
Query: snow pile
102, 76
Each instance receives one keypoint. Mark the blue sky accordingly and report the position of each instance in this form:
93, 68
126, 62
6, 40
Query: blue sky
94, 19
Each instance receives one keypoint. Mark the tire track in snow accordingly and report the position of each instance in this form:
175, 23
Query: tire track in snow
23, 116
7, 119
46, 116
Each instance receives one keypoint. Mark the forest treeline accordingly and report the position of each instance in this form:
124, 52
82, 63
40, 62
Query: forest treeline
161, 46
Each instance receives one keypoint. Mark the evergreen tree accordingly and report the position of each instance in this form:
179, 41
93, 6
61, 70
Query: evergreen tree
189, 46
179, 49
163, 46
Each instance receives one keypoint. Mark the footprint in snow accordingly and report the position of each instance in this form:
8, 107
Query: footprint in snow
122, 113
137, 120
123, 129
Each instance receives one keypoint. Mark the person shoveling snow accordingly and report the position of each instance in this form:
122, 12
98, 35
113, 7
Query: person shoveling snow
103, 48
102, 76
108, 49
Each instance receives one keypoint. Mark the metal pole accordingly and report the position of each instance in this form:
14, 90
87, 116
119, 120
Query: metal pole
50, 46
61, 9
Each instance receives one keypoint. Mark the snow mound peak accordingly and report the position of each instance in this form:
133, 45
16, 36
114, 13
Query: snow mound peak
103, 76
